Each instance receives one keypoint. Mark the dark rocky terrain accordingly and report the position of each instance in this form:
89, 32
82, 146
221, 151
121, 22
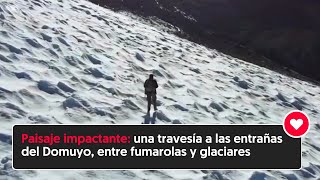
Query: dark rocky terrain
265, 32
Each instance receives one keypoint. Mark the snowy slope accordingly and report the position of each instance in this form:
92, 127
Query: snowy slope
70, 61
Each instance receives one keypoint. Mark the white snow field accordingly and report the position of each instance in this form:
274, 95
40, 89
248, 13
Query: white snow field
70, 61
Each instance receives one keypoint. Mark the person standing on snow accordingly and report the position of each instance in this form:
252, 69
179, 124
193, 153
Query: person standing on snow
150, 89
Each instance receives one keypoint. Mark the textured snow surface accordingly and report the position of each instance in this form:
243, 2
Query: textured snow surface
70, 61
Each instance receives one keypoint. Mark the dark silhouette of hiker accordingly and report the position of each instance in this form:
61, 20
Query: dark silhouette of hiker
150, 89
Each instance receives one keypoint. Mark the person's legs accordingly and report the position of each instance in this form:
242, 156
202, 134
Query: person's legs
154, 101
149, 101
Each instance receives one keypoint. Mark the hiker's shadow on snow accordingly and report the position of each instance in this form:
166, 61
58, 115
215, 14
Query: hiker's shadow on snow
150, 120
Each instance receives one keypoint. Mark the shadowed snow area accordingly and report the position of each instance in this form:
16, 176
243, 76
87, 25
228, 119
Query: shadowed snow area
70, 61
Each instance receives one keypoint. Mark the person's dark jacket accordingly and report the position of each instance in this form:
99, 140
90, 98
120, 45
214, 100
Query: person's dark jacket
150, 86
